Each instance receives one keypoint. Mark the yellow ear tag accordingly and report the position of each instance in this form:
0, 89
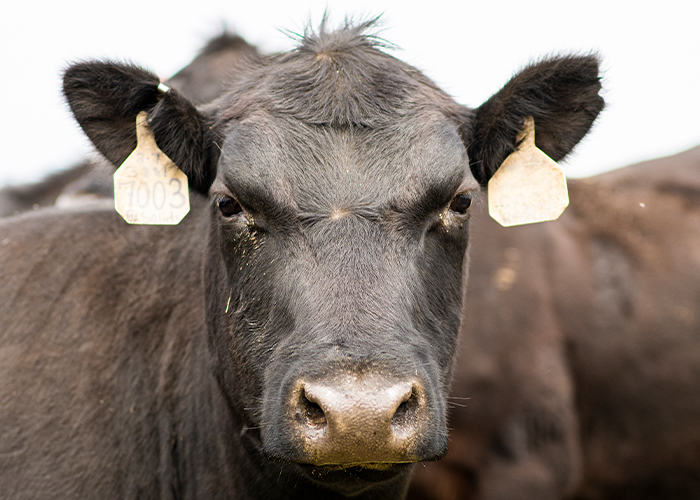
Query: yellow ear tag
148, 187
529, 186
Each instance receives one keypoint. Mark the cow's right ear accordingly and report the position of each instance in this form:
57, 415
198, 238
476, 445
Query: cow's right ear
106, 97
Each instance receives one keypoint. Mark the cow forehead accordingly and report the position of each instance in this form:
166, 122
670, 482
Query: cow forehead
320, 168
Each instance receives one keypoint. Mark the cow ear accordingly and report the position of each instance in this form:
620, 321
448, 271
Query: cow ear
560, 93
105, 98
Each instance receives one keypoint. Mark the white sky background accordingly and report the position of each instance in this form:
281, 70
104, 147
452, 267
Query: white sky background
651, 59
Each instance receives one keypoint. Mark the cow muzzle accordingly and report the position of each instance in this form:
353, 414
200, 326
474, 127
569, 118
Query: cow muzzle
368, 421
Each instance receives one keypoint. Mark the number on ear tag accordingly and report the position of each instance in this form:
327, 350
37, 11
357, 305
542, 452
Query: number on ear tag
148, 187
529, 186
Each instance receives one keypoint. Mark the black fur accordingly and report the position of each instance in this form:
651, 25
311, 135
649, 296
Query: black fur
337, 79
560, 93
105, 99
182, 134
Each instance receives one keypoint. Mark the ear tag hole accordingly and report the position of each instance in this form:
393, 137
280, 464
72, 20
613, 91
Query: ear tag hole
529, 186
148, 187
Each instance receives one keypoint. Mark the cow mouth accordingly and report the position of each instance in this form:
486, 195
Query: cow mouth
352, 479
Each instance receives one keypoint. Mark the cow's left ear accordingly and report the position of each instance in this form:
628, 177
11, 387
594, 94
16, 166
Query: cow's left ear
560, 93
106, 97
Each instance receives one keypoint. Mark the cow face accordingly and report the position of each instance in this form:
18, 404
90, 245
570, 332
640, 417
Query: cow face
343, 252
339, 181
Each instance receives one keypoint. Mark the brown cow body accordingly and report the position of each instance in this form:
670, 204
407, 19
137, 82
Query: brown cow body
579, 365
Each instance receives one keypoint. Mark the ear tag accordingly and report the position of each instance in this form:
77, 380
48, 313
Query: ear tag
529, 186
148, 187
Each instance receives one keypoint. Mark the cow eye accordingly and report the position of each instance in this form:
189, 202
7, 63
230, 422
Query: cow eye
461, 203
229, 207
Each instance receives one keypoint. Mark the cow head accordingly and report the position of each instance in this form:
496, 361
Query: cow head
339, 182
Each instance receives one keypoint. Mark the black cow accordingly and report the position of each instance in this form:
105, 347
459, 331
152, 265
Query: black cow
294, 336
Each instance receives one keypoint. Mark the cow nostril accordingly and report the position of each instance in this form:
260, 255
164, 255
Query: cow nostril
406, 414
312, 415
